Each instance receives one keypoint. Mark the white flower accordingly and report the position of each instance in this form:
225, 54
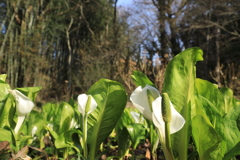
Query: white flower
136, 117
23, 106
86, 104
34, 130
153, 111
176, 123
139, 99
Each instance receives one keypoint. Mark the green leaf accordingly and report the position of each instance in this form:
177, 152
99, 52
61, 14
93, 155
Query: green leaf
111, 99
49, 111
122, 134
70, 138
233, 152
211, 92
137, 133
180, 77
179, 83
7, 113
206, 139
6, 135
30, 92
3, 92
140, 79
206, 109
227, 128
23, 140
123, 140
36, 119
52, 132
63, 118
125, 118
213, 104
229, 99
153, 137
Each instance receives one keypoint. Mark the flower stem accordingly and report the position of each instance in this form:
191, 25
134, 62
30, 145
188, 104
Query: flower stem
168, 142
162, 140
167, 118
85, 149
19, 123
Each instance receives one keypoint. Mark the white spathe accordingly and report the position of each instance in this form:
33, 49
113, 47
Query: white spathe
176, 123
82, 104
137, 118
23, 106
139, 99
34, 130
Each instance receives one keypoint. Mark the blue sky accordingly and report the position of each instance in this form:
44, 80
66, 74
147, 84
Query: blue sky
124, 2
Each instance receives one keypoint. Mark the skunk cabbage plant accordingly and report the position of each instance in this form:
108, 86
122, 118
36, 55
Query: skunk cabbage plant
23, 107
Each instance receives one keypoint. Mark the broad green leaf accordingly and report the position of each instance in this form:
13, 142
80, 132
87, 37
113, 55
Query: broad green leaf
140, 79
6, 135
52, 132
229, 100
30, 92
36, 120
3, 89
153, 137
227, 128
23, 140
3, 92
111, 99
123, 140
211, 92
206, 139
214, 105
233, 152
122, 134
7, 113
70, 138
62, 119
137, 133
179, 83
206, 109
125, 119
49, 111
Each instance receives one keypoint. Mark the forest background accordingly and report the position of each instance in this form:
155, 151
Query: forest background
67, 45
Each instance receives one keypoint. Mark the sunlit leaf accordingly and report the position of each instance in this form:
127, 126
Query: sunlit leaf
137, 133
49, 111
206, 109
3, 92
227, 128
6, 135
30, 92
179, 83
233, 152
63, 118
211, 92
35, 120
229, 99
140, 79
123, 140
7, 113
206, 139
111, 99
214, 105
70, 138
